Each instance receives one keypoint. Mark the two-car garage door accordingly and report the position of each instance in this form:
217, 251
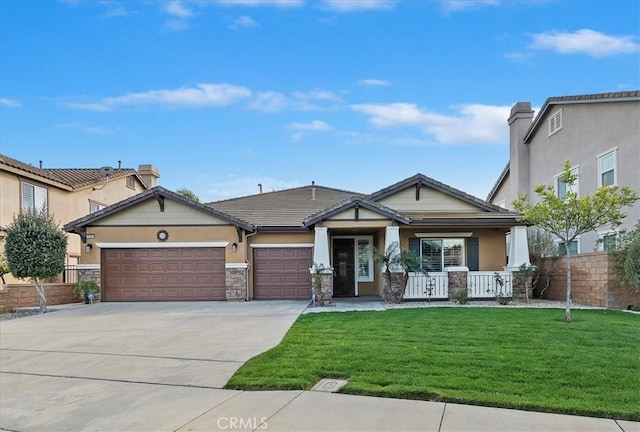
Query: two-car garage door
163, 274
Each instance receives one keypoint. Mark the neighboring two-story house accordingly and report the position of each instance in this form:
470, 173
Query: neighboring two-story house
598, 133
66, 193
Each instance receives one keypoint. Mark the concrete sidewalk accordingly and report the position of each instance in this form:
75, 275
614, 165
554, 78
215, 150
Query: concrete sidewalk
104, 405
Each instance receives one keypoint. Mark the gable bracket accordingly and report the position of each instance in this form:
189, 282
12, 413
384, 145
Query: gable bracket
239, 231
160, 200
418, 186
356, 212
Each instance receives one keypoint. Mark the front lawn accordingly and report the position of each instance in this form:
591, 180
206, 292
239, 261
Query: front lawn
513, 358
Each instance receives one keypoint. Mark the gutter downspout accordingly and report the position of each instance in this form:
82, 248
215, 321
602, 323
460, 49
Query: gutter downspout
246, 258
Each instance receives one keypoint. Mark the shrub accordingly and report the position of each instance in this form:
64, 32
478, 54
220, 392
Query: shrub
461, 296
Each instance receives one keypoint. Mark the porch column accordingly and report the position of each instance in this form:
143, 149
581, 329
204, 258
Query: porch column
518, 248
321, 247
322, 280
392, 240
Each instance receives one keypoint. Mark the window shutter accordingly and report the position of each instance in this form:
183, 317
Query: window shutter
40, 199
27, 197
473, 254
414, 245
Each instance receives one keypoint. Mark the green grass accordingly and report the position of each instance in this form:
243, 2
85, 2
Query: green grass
514, 358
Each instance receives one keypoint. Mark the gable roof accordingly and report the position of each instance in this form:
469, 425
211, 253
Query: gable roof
64, 178
579, 99
78, 226
357, 202
286, 208
422, 180
503, 175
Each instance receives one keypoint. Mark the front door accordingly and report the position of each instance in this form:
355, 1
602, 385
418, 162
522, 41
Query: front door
344, 268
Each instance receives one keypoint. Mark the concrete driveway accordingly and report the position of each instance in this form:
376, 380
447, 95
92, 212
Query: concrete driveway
76, 368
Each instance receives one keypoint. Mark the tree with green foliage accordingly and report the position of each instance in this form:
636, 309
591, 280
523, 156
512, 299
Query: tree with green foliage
36, 249
4, 266
188, 193
569, 216
626, 256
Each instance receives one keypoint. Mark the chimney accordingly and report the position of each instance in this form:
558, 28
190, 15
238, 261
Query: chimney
149, 174
313, 190
260, 187
519, 123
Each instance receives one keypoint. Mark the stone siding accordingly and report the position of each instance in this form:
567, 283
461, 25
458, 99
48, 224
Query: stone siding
92, 275
17, 296
236, 284
457, 282
324, 292
594, 282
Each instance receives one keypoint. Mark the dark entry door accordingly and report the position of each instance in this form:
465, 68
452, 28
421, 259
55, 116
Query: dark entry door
344, 268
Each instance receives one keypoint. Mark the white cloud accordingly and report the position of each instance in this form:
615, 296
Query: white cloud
115, 9
473, 123
178, 9
318, 94
269, 102
315, 125
374, 83
451, 6
302, 128
11, 103
358, 5
276, 3
202, 95
243, 186
243, 22
585, 41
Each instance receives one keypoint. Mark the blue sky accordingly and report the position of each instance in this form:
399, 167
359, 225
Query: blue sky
223, 95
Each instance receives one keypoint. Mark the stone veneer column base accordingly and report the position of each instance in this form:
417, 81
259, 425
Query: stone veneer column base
324, 292
236, 284
393, 292
457, 282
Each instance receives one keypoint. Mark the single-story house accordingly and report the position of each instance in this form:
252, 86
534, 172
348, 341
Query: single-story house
161, 246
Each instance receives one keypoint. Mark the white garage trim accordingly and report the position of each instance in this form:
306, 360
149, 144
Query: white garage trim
236, 265
162, 245
88, 266
280, 245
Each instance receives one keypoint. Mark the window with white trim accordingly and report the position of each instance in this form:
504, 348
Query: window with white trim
555, 122
437, 254
608, 241
607, 169
94, 207
33, 197
574, 247
562, 188
364, 259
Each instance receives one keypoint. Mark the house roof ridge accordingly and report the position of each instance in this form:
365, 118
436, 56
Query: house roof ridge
283, 191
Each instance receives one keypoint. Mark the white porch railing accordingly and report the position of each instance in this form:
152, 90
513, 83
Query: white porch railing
484, 284
419, 285
480, 284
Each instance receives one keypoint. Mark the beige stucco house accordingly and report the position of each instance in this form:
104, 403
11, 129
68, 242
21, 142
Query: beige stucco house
160, 246
66, 193
598, 133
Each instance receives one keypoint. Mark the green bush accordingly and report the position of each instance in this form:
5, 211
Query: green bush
86, 287
461, 296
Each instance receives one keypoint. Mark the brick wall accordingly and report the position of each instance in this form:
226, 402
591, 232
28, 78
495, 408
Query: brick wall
594, 282
17, 296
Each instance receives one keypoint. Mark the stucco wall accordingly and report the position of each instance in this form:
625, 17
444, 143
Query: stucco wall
594, 282
589, 130
64, 205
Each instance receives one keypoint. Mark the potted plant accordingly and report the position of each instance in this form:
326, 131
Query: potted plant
86, 290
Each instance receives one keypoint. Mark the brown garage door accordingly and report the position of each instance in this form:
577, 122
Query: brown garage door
281, 273
163, 274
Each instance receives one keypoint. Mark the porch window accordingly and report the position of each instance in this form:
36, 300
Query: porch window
33, 198
437, 254
364, 259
